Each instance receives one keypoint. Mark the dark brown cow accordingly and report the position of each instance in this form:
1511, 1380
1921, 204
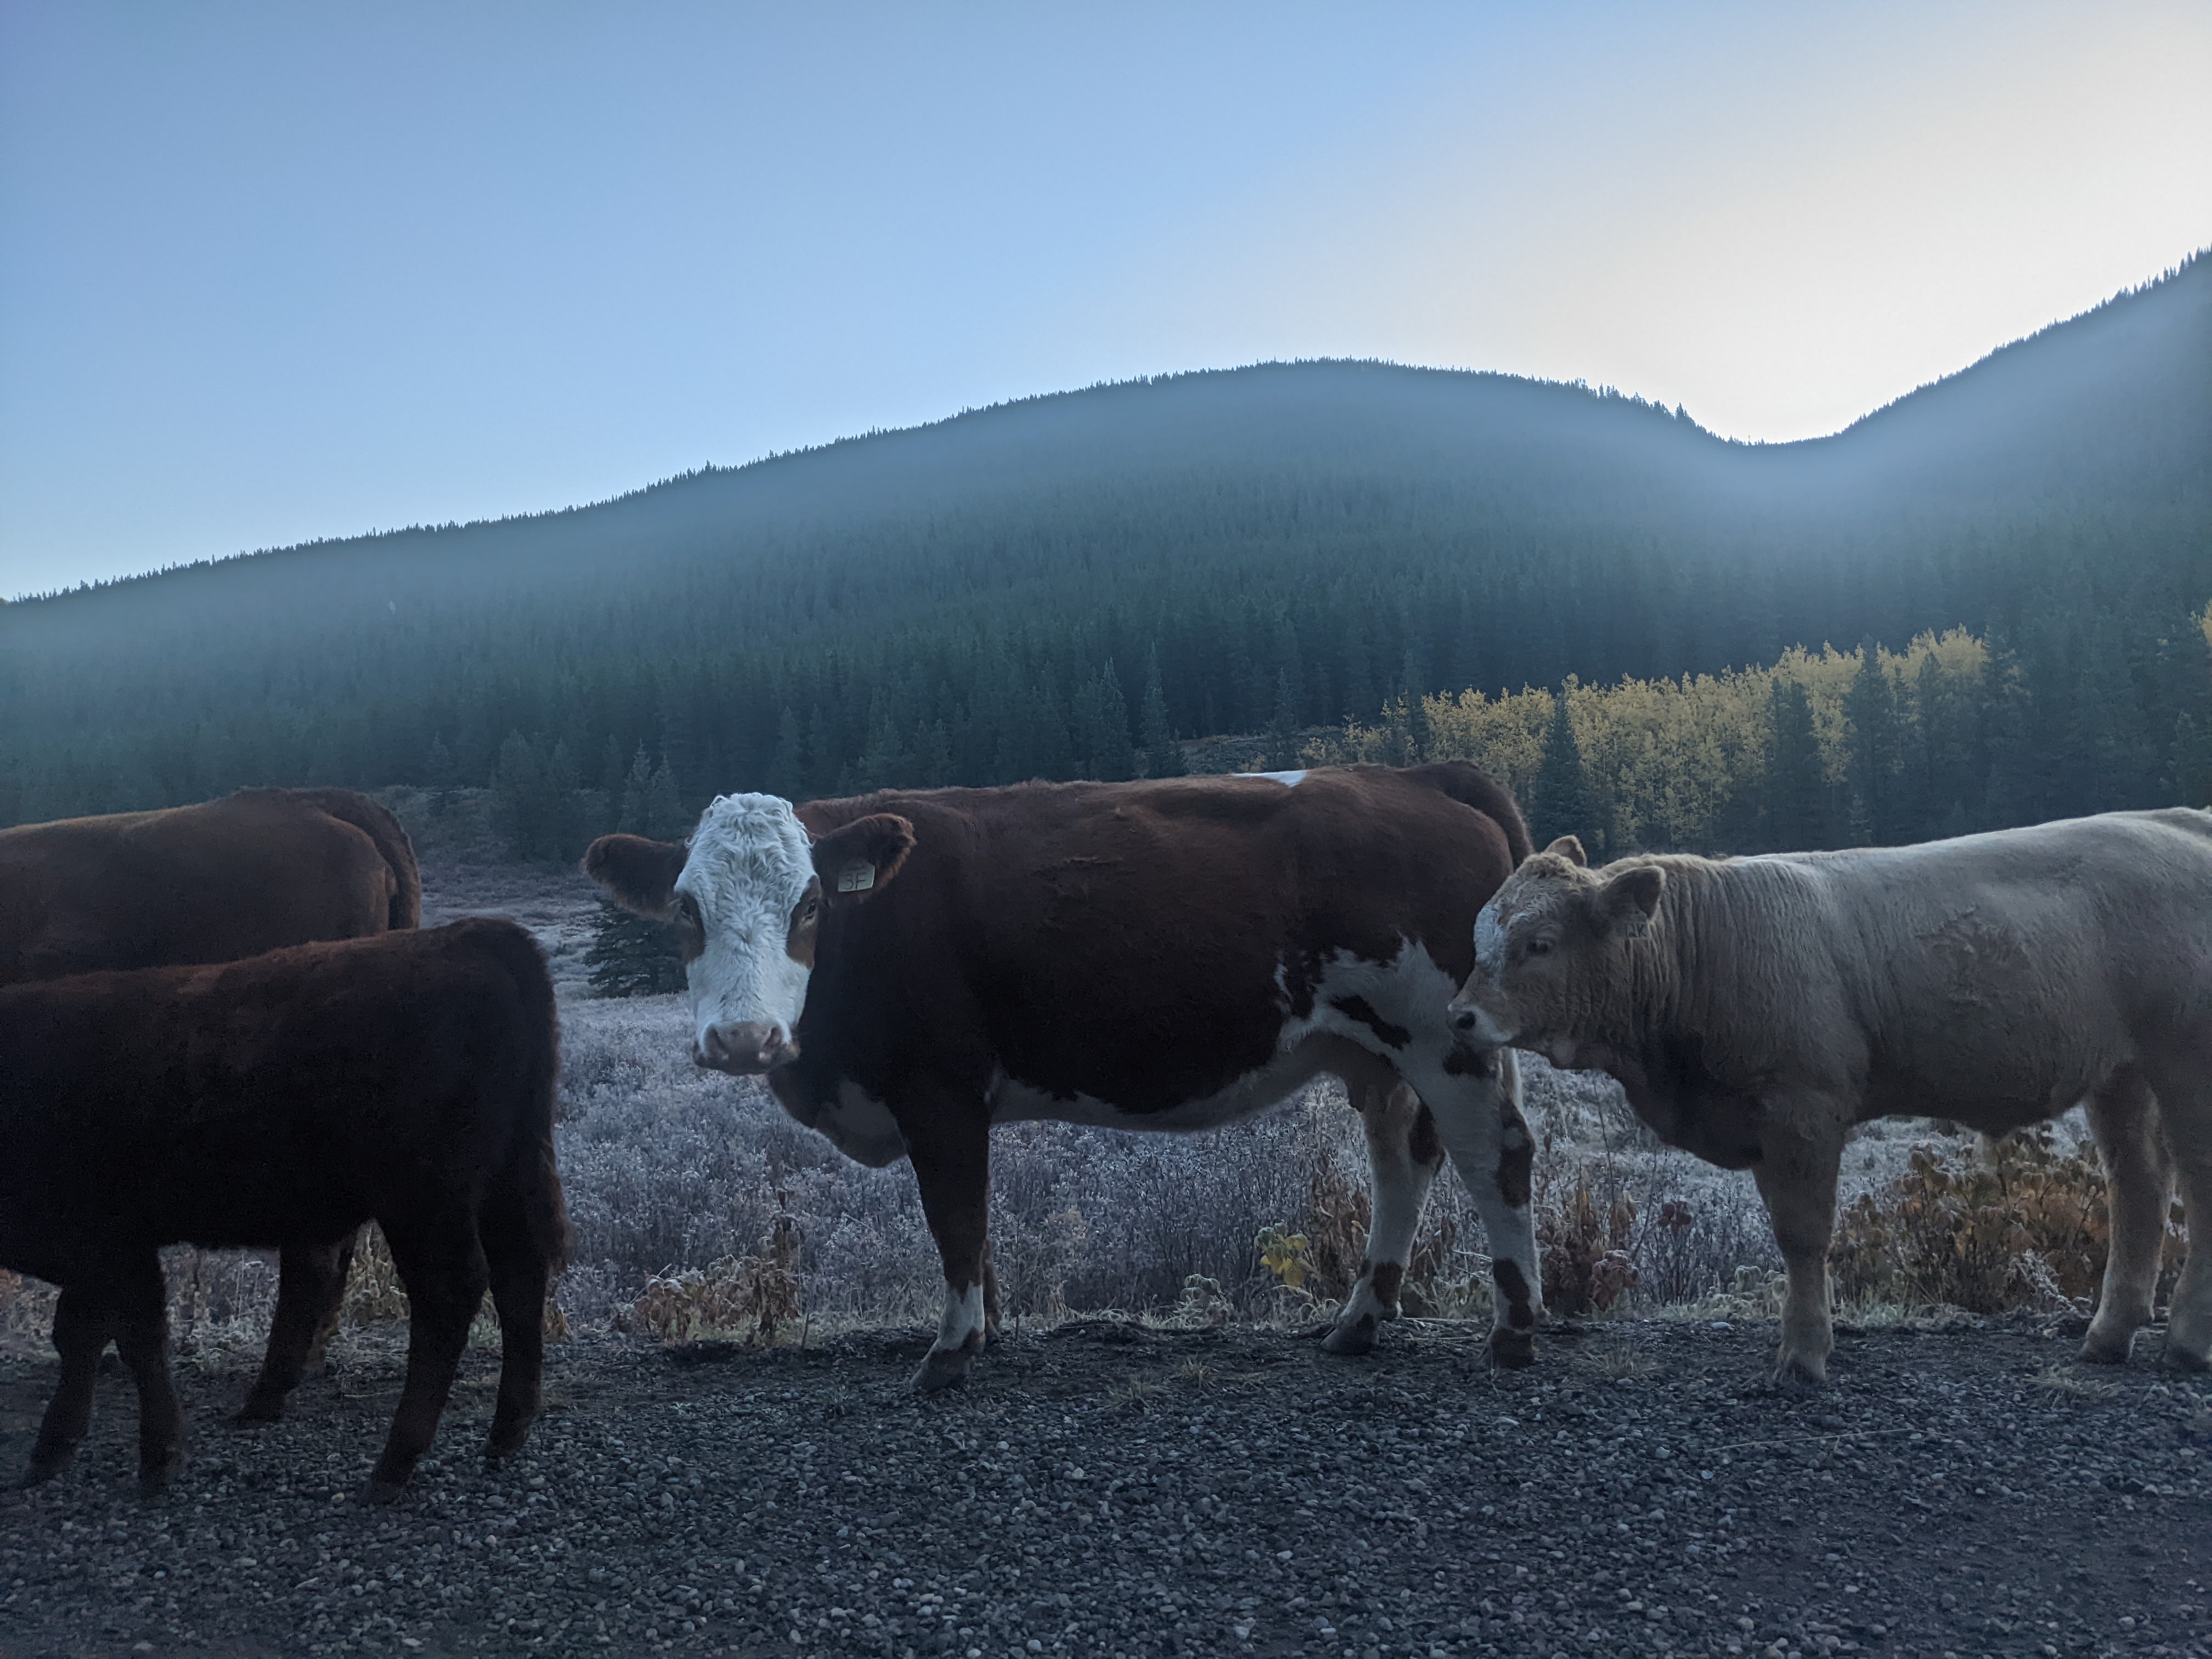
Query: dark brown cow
286, 1100
254, 872
1168, 955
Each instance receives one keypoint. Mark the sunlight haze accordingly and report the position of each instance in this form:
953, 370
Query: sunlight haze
270, 273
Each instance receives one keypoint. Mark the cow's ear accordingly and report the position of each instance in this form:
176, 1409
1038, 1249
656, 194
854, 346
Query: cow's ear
640, 873
1570, 847
859, 859
1625, 904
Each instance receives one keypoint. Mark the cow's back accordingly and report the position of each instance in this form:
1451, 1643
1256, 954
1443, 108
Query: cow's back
254, 1102
1071, 931
1992, 978
228, 879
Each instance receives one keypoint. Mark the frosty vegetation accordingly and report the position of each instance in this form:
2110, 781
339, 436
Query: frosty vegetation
669, 1168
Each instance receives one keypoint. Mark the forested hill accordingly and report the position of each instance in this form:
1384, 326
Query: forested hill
994, 596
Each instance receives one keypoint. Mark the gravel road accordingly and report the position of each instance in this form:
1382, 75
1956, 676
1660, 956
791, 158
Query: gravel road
1101, 1488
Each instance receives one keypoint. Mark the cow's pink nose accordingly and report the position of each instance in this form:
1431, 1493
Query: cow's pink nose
746, 1048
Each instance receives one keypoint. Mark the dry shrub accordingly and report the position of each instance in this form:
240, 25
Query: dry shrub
739, 1295
2019, 1222
373, 1294
1338, 1217
1584, 1244
27, 1305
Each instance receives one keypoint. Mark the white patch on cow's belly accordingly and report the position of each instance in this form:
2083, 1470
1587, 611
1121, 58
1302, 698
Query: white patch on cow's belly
1288, 780
1408, 991
861, 1127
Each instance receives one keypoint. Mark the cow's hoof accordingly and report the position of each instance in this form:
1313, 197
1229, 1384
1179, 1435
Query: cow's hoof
2104, 1350
942, 1368
383, 1493
1515, 1350
1355, 1337
154, 1478
1801, 1371
505, 1440
259, 1411
46, 1463
2181, 1359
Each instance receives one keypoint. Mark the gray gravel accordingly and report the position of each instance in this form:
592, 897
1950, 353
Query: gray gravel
1103, 1489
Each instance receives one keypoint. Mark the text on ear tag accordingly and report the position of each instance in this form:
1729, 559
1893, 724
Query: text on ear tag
856, 877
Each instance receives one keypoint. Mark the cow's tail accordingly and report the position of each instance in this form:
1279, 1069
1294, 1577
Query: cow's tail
533, 1175
1469, 785
379, 824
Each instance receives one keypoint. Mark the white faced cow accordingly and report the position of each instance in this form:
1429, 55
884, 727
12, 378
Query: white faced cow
1755, 1009
910, 968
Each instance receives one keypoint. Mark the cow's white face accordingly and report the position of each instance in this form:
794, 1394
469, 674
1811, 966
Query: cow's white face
749, 897
745, 897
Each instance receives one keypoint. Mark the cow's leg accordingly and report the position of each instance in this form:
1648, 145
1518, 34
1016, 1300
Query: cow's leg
310, 1284
1476, 1099
952, 1165
81, 1331
340, 1271
1403, 1157
1797, 1180
141, 1334
2139, 1182
2184, 1105
442, 1265
519, 1274
990, 1294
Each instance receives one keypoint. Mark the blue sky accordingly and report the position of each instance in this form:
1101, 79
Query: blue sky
275, 272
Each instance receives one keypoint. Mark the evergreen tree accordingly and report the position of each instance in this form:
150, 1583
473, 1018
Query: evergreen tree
665, 816
634, 814
632, 957
1103, 715
1163, 757
1282, 733
787, 769
1561, 801
1796, 792
1876, 765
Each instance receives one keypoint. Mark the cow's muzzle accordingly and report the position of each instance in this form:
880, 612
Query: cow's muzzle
744, 1050
1476, 1027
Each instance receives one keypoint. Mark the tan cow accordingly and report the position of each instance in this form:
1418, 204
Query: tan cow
1755, 1009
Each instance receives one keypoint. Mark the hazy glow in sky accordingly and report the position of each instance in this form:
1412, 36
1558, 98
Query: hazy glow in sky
275, 272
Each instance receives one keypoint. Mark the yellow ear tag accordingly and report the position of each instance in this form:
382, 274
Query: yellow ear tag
856, 877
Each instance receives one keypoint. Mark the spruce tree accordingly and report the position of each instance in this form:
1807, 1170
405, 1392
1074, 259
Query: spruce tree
632, 957
1561, 801
1874, 760
1796, 792
1163, 757
787, 769
632, 816
665, 818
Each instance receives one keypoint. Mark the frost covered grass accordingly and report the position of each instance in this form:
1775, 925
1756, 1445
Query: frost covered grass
691, 1177
667, 1166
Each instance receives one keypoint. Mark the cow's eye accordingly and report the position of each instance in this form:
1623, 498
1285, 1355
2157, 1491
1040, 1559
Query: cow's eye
808, 907
688, 907
1537, 947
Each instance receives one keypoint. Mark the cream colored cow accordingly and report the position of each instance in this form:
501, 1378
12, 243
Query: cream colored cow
1756, 1008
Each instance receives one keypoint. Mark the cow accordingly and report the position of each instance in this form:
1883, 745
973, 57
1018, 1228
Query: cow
909, 968
1755, 1009
213, 883
287, 1100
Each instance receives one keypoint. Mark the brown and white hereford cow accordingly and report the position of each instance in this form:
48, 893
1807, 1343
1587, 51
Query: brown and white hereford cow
253, 871
1755, 1009
910, 968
